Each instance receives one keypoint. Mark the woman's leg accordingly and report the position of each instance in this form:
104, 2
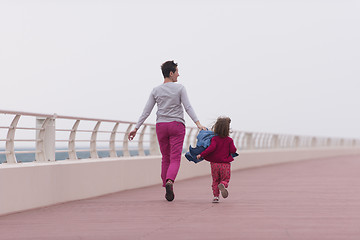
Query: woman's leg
171, 138
163, 138
176, 140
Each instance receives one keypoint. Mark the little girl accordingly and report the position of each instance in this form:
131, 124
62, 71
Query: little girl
219, 155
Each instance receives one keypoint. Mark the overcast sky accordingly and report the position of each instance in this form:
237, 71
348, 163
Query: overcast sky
272, 66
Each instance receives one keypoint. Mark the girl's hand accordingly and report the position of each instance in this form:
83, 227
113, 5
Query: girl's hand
198, 156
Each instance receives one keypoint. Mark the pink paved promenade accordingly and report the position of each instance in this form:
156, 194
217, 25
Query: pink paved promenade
309, 200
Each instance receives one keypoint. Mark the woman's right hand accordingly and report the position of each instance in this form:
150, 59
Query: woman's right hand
132, 134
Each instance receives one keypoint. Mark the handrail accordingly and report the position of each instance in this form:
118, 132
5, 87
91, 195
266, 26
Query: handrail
45, 136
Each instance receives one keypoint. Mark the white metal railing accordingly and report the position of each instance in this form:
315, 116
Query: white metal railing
56, 137
43, 137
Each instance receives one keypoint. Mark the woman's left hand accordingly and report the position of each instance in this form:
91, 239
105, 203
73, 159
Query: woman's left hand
201, 127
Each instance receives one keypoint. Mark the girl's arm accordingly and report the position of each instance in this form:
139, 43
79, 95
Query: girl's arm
209, 149
232, 146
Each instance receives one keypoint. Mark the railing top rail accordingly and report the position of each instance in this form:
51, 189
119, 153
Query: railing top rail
95, 119
66, 117
25, 113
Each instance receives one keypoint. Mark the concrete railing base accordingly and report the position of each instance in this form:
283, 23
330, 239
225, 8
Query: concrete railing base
32, 185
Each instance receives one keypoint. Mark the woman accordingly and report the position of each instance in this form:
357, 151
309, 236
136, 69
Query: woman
170, 124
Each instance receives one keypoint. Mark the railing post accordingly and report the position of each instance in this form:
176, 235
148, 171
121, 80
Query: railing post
126, 141
237, 139
296, 142
188, 138
259, 138
249, 141
154, 144
194, 137
45, 139
141, 142
112, 141
307, 142
328, 142
93, 151
313, 142
242, 141
253, 137
234, 137
275, 141
9, 148
288, 141
72, 150
266, 140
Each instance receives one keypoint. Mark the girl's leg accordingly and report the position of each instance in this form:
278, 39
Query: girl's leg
176, 139
215, 173
163, 138
225, 173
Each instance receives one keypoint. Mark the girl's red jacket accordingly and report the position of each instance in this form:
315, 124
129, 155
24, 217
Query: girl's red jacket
220, 150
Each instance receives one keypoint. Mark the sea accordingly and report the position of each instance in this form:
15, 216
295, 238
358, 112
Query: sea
30, 157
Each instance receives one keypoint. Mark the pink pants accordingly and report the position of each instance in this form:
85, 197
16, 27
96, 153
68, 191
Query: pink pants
220, 174
171, 138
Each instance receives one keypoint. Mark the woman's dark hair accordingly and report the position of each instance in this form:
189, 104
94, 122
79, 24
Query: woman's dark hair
167, 67
222, 126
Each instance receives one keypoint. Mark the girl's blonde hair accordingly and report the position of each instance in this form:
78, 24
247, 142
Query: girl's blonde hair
222, 126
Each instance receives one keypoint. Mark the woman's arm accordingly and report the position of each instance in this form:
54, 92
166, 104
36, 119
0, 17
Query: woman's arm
147, 111
189, 110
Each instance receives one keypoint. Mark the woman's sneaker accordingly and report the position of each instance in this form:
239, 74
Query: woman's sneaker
223, 190
169, 191
215, 200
